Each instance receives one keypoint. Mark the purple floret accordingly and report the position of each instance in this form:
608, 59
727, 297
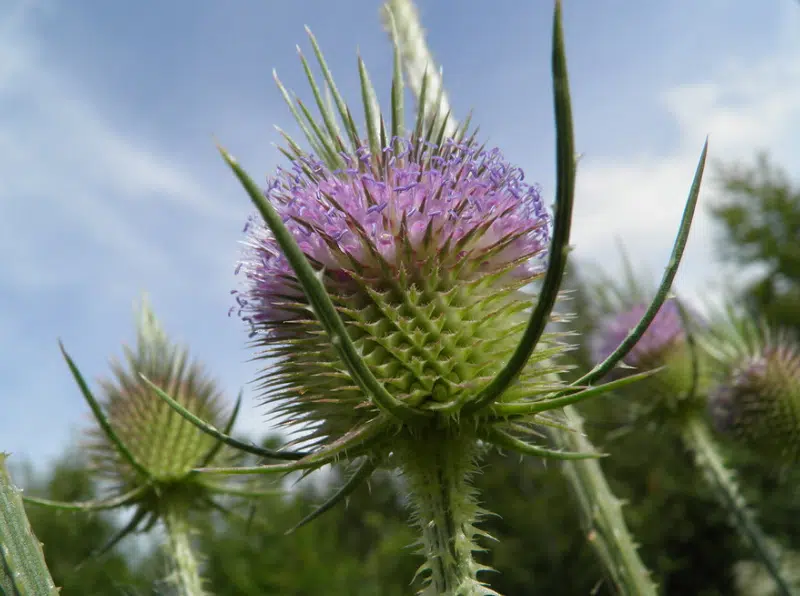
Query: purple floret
427, 200
665, 329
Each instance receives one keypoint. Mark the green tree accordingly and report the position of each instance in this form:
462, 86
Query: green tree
759, 215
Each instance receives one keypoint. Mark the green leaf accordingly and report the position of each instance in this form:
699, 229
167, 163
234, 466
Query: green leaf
23, 570
602, 369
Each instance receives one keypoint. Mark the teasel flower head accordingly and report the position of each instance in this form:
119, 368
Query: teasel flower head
144, 453
165, 445
666, 346
756, 397
426, 260
665, 332
386, 284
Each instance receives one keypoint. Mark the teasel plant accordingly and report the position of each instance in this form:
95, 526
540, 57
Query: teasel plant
601, 511
753, 399
687, 352
385, 286
145, 454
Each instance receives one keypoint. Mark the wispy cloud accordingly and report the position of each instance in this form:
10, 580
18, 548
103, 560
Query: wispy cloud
745, 106
90, 214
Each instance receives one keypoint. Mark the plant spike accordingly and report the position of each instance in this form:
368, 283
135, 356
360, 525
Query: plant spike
327, 114
222, 436
362, 473
559, 246
313, 140
344, 113
401, 19
93, 505
119, 536
530, 408
371, 114
212, 453
398, 88
602, 369
101, 417
355, 442
507, 441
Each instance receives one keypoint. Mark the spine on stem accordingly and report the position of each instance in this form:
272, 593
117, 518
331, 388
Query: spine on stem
186, 567
445, 508
601, 511
697, 437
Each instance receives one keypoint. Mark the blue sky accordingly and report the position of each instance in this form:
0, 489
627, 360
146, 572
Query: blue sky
111, 184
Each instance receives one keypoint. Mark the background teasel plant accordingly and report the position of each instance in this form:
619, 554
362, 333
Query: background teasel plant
676, 394
146, 453
385, 287
756, 397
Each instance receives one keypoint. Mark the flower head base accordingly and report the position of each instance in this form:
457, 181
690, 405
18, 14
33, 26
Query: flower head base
758, 401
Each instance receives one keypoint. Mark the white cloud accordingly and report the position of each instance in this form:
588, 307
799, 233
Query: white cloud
73, 177
744, 107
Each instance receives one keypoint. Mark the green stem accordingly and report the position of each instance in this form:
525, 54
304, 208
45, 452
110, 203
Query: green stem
605, 525
23, 571
438, 469
698, 439
186, 575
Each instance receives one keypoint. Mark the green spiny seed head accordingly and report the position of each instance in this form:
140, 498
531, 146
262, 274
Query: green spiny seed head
167, 446
757, 397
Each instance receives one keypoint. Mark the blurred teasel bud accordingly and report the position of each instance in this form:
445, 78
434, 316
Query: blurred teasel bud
164, 446
756, 397
145, 452
666, 345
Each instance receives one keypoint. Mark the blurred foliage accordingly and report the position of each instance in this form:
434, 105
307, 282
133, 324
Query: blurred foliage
759, 214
